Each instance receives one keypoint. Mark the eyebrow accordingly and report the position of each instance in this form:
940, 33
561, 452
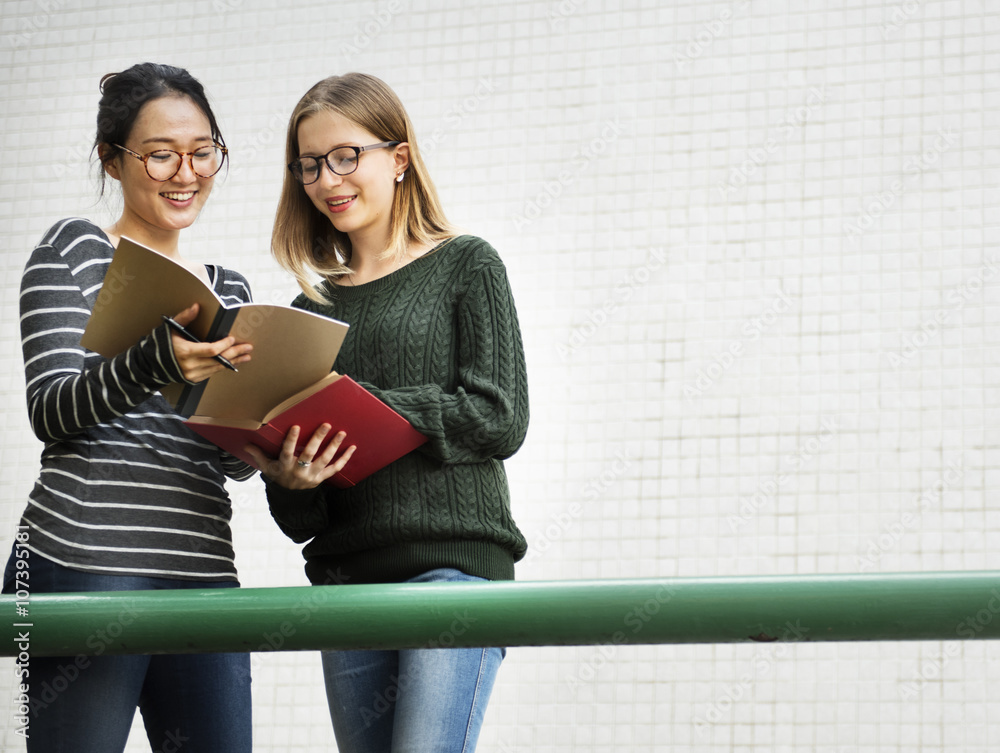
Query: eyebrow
165, 140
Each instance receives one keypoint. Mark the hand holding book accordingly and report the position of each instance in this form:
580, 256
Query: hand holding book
193, 355
312, 466
292, 431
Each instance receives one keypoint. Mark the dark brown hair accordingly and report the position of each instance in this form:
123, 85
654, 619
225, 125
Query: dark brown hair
123, 95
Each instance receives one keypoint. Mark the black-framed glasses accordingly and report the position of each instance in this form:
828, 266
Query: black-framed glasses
163, 164
342, 160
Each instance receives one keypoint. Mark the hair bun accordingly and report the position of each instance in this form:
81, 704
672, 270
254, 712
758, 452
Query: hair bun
104, 78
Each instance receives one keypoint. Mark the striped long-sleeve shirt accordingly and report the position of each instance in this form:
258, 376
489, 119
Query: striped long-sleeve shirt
124, 488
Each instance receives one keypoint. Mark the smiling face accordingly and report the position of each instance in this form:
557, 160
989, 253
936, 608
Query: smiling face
157, 211
359, 204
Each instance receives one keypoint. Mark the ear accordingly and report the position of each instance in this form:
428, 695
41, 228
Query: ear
111, 166
401, 157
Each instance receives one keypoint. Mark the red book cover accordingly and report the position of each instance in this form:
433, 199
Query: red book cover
380, 434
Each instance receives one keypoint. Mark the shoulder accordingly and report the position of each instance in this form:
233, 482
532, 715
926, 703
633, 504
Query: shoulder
234, 284
470, 254
472, 248
73, 243
73, 232
473, 272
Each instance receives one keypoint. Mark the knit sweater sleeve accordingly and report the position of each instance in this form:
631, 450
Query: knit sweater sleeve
66, 395
301, 514
485, 416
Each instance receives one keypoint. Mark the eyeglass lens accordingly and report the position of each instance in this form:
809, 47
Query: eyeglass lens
164, 164
342, 160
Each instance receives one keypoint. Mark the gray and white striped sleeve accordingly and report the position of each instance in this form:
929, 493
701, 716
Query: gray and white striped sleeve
68, 388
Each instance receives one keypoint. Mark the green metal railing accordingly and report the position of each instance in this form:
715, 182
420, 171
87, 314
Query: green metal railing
893, 607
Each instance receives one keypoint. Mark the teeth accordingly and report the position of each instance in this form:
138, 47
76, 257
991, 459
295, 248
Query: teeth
338, 203
179, 196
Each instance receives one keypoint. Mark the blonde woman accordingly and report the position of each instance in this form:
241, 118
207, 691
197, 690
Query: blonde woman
434, 334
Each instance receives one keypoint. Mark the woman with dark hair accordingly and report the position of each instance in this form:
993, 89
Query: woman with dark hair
127, 498
434, 333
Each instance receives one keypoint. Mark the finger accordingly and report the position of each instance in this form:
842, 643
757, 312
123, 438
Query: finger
312, 446
256, 453
196, 364
269, 466
288, 446
186, 348
338, 465
236, 354
188, 315
332, 448
240, 350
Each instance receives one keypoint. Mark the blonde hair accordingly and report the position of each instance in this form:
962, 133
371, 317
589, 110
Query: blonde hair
303, 240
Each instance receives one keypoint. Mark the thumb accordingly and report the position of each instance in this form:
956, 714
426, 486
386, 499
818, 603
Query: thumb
187, 316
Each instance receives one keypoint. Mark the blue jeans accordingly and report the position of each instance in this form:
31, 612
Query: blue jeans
196, 703
428, 700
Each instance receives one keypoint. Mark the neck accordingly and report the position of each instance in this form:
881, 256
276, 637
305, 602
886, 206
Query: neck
164, 241
368, 246
365, 268
366, 256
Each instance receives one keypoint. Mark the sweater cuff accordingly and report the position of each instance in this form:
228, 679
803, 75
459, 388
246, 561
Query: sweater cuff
157, 353
300, 513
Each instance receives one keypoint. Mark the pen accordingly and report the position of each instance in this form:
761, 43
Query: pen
179, 329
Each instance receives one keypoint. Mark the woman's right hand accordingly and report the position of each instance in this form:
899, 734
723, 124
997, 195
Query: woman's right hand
308, 469
197, 360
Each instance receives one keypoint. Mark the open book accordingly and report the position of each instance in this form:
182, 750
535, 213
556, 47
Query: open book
293, 349
286, 382
379, 433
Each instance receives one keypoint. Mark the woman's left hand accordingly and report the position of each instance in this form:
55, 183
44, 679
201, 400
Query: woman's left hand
309, 469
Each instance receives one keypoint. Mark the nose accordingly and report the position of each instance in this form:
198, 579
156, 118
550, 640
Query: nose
327, 176
186, 172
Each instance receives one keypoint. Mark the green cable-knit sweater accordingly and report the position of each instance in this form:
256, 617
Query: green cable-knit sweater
438, 340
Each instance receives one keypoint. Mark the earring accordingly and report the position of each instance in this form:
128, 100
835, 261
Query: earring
399, 178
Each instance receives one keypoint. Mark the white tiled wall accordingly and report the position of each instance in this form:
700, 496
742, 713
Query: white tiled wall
756, 254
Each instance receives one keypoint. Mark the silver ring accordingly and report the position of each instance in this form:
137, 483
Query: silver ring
304, 463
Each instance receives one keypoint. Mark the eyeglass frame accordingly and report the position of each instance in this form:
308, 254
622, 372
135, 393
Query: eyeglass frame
144, 158
325, 158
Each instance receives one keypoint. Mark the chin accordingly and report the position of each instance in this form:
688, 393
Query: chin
341, 225
185, 220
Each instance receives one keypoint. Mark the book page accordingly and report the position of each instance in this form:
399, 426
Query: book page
299, 396
292, 350
140, 287
253, 423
